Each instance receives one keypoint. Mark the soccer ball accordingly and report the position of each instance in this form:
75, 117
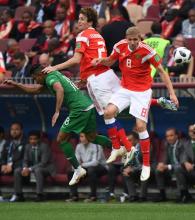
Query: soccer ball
182, 55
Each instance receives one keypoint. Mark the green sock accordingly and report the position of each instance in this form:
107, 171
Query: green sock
103, 141
69, 153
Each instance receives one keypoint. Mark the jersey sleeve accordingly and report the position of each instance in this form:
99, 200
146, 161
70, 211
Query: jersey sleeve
50, 80
115, 53
155, 60
82, 43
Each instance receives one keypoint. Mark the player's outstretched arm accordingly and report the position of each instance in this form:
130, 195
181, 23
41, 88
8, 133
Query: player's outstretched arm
34, 89
107, 61
76, 59
166, 79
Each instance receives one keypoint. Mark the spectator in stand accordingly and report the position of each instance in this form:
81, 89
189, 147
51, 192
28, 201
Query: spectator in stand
171, 162
27, 27
37, 163
92, 158
188, 25
2, 145
6, 24
13, 151
22, 65
41, 45
12, 48
158, 43
70, 6
56, 52
132, 172
102, 9
115, 30
62, 27
45, 10
171, 25
44, 60
189, 164
184, 70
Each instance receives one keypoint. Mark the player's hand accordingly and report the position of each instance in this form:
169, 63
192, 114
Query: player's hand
25, 171
48, 69
96, 61
10, 82
54, 118
174, 99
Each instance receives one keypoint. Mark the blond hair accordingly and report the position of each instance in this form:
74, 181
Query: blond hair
133, 31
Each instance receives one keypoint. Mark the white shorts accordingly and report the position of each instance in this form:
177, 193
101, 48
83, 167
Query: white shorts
139, 102
101, 88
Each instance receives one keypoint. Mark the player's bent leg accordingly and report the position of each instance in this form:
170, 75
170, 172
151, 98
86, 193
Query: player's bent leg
166, 104
99, 139
68, 150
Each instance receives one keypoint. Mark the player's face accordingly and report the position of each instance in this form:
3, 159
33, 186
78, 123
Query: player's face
83, 23
133, 41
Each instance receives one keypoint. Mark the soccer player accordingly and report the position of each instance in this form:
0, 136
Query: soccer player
134, 59
101, 81
82, 116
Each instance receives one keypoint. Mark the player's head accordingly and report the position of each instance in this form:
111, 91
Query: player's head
133, 37
37, 74
87, 18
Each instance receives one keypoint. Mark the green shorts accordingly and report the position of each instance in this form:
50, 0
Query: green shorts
80, 121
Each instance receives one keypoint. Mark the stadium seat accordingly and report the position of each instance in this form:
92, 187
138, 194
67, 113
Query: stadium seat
135, 12
153, 12
27, 44
3, 45
21, 9
144, 25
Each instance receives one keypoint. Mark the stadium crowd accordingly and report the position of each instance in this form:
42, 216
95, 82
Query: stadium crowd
45, 32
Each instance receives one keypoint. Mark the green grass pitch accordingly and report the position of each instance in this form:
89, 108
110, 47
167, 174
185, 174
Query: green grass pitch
95, 211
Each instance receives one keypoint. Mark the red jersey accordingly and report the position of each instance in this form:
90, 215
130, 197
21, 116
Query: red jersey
135, 65
92, 45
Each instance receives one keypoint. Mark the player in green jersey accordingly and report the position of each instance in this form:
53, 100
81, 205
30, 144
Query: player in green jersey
82, 116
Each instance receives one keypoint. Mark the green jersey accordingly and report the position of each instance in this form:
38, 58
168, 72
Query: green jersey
74, 99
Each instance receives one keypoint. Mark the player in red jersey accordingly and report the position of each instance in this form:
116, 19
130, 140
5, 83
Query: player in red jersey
101, 81
134, 59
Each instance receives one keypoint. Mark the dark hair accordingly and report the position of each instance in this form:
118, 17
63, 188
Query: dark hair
156, 27
17, 123
2, 130
91, 15
35, 69
19, 56
28, 12
172, 129
34, 133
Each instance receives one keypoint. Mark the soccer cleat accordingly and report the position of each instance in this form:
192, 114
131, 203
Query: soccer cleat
129, 155
116, 153
145, 174
78, 174
167, 104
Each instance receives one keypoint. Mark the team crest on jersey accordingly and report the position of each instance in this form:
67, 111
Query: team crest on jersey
157, 58
138, 56
78, 46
